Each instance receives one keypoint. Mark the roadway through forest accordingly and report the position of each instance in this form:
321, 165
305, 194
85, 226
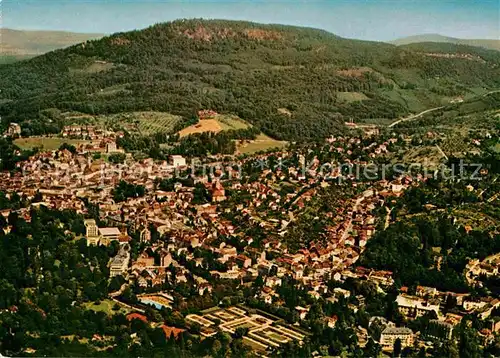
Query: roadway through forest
415, 116
418, 115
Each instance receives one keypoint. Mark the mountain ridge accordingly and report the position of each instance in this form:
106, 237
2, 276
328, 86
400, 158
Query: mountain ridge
29, 43
491, 44
248, 69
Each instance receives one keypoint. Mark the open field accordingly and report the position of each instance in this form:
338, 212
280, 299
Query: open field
111, 90
105, 306
261, 143
351, 96
220, 122
228, 122
205, 125
46, 143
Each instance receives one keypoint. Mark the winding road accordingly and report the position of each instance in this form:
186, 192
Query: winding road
415, 116
418, 115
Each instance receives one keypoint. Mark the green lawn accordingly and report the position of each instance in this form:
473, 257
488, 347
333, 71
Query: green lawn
261, 143
106, 306
46, 143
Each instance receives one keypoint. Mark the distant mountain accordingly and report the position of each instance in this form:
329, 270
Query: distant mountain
16, 44
485, 43
292, 83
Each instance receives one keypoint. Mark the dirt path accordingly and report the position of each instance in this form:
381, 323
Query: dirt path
441, 151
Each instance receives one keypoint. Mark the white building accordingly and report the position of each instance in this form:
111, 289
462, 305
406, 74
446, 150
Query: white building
391, 334
109, 233
178, 161
119, 264
96, 235
91, 232
415, 306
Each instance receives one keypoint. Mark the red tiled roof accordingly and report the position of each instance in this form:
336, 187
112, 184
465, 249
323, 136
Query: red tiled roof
169, 331
133, 316
124, 238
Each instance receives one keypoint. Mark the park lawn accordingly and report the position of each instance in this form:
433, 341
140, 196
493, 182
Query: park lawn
105, 306
46, 143
261, 143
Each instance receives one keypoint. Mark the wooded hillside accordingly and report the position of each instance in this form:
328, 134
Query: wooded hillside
292, 83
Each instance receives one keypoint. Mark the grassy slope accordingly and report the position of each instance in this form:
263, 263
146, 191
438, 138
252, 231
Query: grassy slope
261, 144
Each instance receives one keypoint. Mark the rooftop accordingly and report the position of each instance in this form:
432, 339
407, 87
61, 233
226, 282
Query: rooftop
109, 231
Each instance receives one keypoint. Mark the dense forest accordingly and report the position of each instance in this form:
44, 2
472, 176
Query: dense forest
291, 83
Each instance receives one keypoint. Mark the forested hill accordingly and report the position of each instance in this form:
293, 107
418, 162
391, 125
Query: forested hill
251, 70
485, 43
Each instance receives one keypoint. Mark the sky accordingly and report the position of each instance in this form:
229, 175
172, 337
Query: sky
379, 20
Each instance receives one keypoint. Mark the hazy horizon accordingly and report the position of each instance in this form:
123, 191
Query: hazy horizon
367, 20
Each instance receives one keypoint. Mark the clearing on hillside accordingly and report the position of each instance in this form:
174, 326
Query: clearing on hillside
145, 123
154, 122
219, 122
261, 144
231, 122
351, 96
205, 125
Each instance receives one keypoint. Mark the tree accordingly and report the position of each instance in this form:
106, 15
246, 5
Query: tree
240, 332
216, 347
195, 328
397, 348
259, 281
469, 343
126, 190
200, 194
116, 283
69, 147
117, 158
